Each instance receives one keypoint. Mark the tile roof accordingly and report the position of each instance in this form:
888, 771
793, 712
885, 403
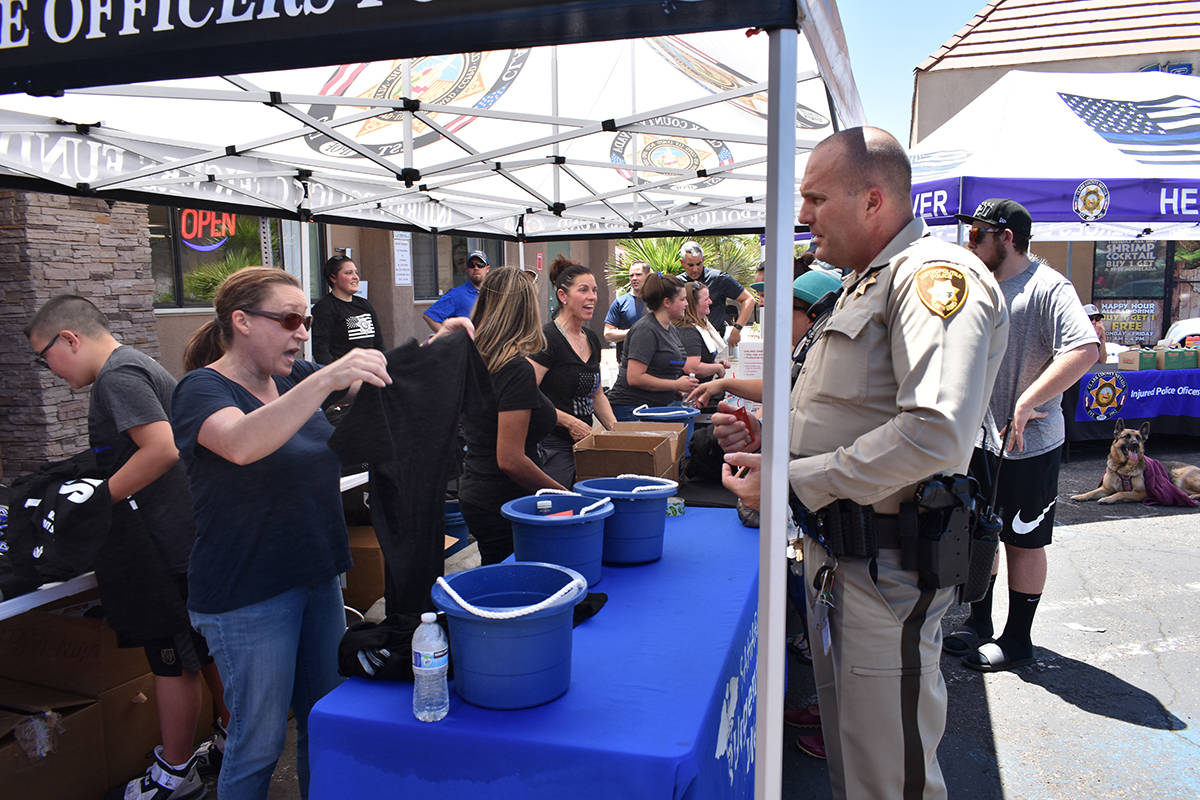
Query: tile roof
1020, 32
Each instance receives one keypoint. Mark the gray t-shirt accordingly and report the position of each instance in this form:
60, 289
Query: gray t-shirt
661, 351
133, 389
1046, 320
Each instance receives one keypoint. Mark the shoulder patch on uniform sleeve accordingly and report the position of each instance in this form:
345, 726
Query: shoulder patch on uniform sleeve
942, 288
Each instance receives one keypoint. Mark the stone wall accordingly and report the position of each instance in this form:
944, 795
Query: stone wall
49, 245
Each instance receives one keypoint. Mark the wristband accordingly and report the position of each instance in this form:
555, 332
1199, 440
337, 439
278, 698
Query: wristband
738, 325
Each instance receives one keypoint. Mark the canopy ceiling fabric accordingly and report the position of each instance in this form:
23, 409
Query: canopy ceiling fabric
651, 136
1092, 156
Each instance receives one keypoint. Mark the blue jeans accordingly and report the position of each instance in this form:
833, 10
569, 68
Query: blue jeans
276, 654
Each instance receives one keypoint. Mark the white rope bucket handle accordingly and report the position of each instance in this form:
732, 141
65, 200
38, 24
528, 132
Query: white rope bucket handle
666, 482
583, 511
579, 583
674, 412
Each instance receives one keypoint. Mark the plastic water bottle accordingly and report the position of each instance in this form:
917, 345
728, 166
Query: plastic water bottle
431, 657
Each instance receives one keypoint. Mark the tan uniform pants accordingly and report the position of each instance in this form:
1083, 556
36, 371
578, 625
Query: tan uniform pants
880, 688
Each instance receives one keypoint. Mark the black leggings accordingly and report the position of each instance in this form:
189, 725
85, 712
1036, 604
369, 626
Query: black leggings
491, 530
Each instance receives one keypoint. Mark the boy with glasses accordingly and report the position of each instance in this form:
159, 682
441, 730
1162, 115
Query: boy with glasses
130, 433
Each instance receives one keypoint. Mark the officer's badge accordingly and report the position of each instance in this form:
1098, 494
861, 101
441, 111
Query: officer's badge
942, 288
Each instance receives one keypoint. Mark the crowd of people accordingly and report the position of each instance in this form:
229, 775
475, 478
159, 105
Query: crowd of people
896, 349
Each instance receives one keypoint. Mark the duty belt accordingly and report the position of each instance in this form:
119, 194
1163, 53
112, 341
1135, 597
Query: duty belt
849, 530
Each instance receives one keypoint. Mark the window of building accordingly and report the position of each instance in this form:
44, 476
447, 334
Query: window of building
193, 250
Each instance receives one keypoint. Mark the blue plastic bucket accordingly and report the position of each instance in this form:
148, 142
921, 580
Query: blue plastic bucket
671, 414
510, 663
576, 541
456, 527
634, 533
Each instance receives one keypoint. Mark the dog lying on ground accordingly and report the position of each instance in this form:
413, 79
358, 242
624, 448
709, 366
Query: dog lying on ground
1130, 477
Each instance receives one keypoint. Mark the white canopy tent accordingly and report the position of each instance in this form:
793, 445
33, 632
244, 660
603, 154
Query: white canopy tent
519, 138
1092, 156
665, 135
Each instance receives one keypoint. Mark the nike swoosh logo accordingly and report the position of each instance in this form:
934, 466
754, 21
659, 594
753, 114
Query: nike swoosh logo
1021, 527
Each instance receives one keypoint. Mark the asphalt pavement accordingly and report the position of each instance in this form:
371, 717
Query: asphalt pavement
1109, 709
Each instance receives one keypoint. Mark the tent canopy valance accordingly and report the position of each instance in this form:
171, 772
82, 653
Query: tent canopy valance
664, 135
1092, 156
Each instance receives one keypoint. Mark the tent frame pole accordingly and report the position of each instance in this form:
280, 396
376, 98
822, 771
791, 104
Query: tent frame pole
772, 608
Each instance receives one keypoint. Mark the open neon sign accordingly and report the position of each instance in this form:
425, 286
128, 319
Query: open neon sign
198, 224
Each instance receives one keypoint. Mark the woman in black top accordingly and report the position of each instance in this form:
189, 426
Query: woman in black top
341, 319
502, 462
700, 339
568, 370
652, 367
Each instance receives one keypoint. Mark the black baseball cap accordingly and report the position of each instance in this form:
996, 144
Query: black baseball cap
1001, 213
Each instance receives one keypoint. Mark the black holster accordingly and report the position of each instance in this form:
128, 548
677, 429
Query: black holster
960, 549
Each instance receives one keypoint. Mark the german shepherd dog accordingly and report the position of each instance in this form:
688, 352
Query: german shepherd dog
1124, 480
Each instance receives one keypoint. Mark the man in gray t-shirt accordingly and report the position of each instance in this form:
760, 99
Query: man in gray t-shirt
1051, 344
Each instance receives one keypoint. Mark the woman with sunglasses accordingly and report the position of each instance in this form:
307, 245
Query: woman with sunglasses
271, 538
568, 369
652, 367
701, 341
502, 461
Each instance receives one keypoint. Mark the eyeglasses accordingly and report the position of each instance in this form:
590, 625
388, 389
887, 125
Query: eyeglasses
289, 320
977, 233
39, 357
801, 306
475, 263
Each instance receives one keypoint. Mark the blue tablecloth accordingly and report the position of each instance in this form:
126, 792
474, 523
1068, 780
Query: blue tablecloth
661, 704
1168, 399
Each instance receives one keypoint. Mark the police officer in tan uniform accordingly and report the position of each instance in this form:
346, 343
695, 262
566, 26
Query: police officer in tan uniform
891, 393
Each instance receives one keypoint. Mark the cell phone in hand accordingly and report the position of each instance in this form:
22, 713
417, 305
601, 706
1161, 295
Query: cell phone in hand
741, 413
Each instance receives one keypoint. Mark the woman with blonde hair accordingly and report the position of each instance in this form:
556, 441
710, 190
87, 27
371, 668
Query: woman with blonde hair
568, 369
271, 538
502, 461
701, 341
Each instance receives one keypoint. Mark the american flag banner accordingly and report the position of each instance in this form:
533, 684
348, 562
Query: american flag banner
1160, 132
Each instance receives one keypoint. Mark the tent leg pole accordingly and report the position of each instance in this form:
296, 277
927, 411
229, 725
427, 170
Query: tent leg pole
772, 605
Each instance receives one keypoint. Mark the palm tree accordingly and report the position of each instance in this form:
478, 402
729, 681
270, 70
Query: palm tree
736, 255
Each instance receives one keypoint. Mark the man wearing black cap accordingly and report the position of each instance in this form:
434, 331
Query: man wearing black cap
1051, 344
459, 301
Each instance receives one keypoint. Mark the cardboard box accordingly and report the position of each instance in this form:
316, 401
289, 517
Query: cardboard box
57, 646
1134, 360
129, 714
74, 770
364, 581
607, 454
1175, 358
675, 432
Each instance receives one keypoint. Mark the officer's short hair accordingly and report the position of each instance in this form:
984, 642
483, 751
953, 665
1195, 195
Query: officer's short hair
874, 158
691, 249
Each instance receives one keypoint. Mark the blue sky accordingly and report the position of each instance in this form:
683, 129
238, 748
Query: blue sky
887, 41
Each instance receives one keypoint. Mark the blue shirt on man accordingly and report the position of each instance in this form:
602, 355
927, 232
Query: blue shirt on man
721, 287
457, 302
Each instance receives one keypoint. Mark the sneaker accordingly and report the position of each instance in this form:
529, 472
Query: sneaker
801, 718
165, 782
811, 744
210, 754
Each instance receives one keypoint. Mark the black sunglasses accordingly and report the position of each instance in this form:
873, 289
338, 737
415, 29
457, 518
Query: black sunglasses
39, 357
289, 320
977, 233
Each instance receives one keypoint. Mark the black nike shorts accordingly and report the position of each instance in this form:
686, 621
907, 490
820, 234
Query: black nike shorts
1026, 500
